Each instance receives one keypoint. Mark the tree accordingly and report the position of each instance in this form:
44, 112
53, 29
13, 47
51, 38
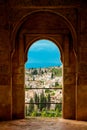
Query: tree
36, 99
42, 72
31, 106
48, 101
34, 72
56, 84
52, 76
59, 107
42, 101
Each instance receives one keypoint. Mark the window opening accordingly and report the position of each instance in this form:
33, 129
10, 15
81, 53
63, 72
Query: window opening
43, 80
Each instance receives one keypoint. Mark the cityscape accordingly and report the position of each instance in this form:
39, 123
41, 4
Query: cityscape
43, 91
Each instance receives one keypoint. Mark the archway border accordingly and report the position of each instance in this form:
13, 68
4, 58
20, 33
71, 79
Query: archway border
19, 25
24, 18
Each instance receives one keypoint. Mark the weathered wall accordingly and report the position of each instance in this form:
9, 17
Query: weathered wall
5, 66
18, 92
82, 67
68, 31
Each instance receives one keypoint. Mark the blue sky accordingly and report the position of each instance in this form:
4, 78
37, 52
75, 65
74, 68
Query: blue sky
43, 53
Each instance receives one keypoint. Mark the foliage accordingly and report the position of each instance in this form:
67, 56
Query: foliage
48, 101
57, 71
56, 84
34, 72
42, 101
31, 106
36, 99
59, 107
34, 113
44, 113
52, 75
47, 90
40, 105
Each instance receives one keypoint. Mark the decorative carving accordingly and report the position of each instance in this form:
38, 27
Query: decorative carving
4, 69
3, 42
83, 68
18, 87
82, 80
83, 55
18, 79
43, 2
4, 80
83, 41
18, 13
70, 14
17, 70
4, 57
84, 22
69, 79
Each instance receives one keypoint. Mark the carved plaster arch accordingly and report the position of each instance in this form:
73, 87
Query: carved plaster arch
17, 32
24, 18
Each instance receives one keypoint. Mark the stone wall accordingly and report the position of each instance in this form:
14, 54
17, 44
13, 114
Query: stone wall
5, 67
82, 67
23, 22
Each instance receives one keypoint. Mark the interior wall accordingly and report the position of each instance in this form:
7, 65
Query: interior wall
18, 91
24, 40
81, 113
12, 16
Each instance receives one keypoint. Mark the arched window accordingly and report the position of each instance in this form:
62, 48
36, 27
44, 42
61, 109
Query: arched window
43, 80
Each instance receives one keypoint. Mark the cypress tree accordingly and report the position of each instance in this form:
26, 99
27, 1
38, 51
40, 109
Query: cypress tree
48, 101
31, 106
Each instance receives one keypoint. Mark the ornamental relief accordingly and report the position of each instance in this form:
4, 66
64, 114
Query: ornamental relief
82, 80
83, 68
4, 80
4, 69
42, 2
17, 13
70, 79
18, 79
83, 54
83, 22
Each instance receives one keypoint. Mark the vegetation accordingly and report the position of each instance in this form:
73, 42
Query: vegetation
31, 106
40, 106
34, 72
57, 72
46, 113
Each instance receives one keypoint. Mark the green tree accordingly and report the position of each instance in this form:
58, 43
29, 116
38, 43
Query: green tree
52, 76
44, 113
42, 72
57, 112
34, 72
36, 99
42, 101
48, 101
59, 107
31, 106
57, 71
56, 84
34, 113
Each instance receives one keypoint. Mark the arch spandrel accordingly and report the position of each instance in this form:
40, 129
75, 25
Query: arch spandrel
68, 27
